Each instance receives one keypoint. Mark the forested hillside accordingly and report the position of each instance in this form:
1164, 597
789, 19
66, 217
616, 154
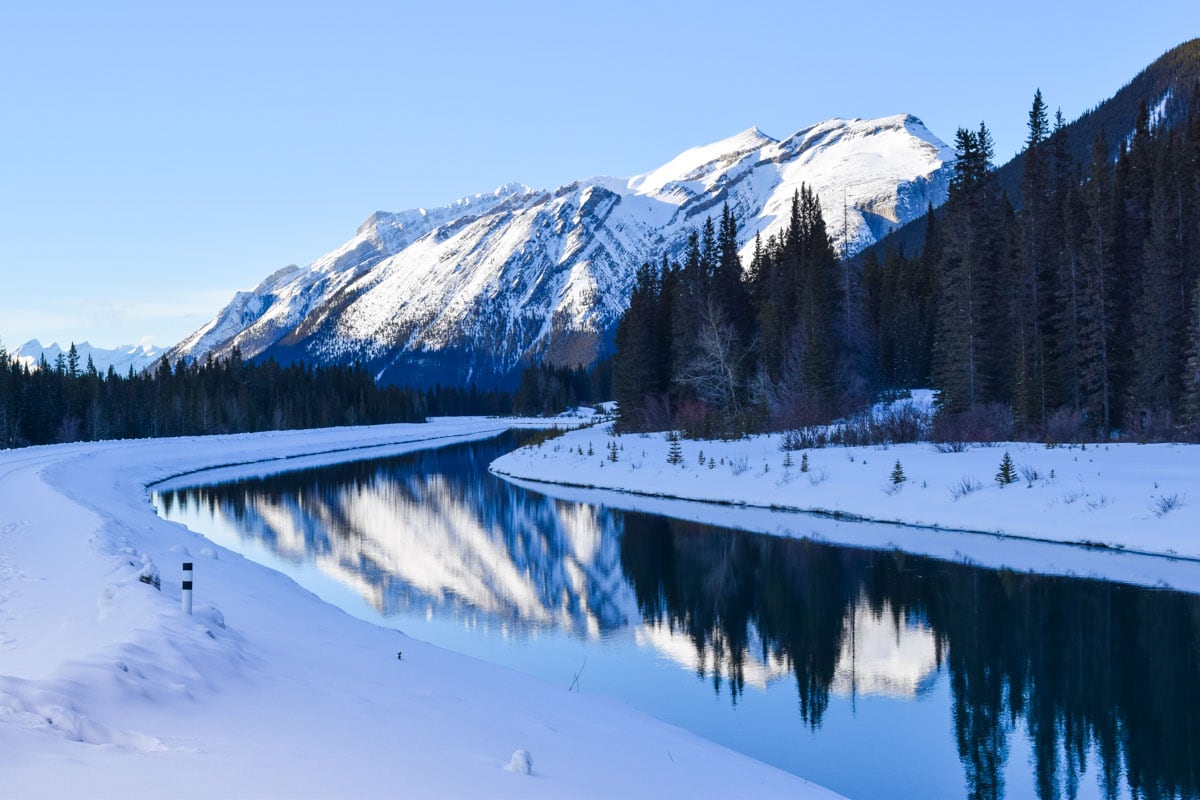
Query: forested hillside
1076, 312
1166, 87
1079, 309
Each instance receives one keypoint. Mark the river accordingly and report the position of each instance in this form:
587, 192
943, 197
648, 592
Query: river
876, 673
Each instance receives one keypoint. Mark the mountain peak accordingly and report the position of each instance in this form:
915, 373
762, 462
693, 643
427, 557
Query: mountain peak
494, 280
120, 358
695, 163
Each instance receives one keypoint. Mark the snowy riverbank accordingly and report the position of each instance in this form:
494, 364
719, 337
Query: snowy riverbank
107, 689
1124, 498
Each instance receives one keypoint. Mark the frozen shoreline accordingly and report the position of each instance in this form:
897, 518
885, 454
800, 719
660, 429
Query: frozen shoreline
107, 688
1094, 512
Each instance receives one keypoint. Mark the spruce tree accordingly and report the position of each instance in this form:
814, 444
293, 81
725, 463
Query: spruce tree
1161, 310
1098, 295
967, 269
73, 361
1191, 371
1008, 471
1033, 293
639, 363
675, 451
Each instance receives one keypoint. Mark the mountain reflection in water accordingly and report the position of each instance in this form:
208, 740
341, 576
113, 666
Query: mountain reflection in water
1098, 678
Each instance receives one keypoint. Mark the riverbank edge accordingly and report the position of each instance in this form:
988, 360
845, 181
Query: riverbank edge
72, 477
1110, 522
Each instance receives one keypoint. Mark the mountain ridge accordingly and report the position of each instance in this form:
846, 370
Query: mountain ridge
475, 289
121, 358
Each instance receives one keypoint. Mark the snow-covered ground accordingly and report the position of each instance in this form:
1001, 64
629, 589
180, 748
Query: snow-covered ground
107, 689
1128, 498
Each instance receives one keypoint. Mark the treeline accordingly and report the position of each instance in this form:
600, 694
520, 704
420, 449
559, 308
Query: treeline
67, 401
546, 390
714, 350
1080, 310
1075, 314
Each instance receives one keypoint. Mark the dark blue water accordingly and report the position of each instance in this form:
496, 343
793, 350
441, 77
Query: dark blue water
878, 674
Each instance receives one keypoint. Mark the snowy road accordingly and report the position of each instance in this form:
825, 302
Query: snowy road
107, 689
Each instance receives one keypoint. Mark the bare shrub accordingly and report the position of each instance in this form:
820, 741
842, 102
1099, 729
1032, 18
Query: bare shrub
987, 422
1065, 426
965, 486
656, 412
1143, 425
1028, 473
1165, 504
1070, 497
811, 437
697, 419
904, 423
1189, 432
739, 466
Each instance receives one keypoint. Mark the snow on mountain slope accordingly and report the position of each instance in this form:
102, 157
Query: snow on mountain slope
121, 358
477, 288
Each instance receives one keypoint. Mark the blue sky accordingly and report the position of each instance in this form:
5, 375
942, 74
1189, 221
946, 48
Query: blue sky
158, 156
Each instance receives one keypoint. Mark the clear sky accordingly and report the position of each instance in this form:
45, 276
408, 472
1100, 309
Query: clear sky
155, 157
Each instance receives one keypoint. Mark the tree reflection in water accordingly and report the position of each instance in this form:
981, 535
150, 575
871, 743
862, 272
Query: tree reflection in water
1083, 667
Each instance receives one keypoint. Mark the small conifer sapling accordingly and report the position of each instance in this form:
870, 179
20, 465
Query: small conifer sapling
1008, 472
675, 453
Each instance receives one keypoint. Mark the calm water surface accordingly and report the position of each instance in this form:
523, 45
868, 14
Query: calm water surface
877, 674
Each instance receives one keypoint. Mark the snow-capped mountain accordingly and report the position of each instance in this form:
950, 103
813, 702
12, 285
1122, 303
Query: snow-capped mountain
120, 358
476, 289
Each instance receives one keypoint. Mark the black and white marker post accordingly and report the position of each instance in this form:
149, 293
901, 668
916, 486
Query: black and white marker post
187, 588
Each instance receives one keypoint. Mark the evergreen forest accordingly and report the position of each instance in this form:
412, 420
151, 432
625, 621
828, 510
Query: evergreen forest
1075, 313
68, 401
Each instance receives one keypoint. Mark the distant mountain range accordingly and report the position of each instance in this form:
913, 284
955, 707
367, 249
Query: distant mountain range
120, 358
475, 290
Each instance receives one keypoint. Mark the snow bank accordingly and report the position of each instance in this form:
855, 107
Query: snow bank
108, 689
1129, 498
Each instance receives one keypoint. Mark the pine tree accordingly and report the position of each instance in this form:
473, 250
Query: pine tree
1008, 471
73, 361
821, 298
675, 452
689, 290
897, 475
1097, 296
1191, 372
1161, 310
640, 361
967, 268
1033, 292
729, 285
